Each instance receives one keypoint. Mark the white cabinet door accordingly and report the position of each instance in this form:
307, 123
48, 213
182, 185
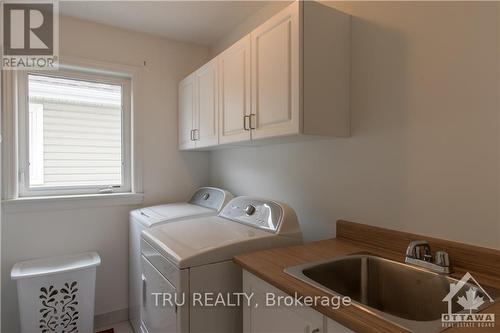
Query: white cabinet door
234, 92
207, 112
334, 327
186, 112
275, 75
260, 317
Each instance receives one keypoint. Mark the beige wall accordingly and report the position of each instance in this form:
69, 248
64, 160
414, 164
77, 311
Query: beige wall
423, 156
167, 174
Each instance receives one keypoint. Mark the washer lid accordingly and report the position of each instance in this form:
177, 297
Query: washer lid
205, 240
169, 212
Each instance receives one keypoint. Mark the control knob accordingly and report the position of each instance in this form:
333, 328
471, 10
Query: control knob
249, 209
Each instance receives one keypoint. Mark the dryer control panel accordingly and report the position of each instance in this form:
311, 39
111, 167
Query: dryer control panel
208, 197
262, 214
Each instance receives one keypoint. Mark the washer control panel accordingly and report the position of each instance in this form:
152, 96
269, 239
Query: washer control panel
208, 197
262, 214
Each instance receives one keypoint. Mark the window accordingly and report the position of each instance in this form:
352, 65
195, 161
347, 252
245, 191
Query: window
74, 133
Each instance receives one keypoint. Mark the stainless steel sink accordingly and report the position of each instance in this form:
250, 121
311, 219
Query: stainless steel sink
409, 296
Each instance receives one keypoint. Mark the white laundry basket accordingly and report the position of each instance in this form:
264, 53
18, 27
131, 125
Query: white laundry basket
57, 294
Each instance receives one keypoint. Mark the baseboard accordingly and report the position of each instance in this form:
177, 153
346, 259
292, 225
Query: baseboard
110, 318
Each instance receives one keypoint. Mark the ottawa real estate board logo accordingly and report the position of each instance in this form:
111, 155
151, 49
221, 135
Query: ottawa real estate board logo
30, 34
467, 294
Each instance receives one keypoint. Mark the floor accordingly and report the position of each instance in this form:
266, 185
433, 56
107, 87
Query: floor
123, 327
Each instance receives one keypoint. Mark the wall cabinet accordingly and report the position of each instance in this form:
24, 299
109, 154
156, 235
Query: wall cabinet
259, 317
198, 108
206, 129
234, 92
287, 78
186, 113
275, 75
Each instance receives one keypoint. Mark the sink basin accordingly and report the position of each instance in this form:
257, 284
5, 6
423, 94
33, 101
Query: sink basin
399, 292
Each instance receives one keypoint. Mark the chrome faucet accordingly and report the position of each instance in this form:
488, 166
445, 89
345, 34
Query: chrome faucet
419, 254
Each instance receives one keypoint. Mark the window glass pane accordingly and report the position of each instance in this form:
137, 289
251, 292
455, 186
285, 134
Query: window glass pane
75, 132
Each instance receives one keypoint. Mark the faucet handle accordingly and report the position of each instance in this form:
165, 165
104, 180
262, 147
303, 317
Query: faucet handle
441, 258
414, 250
419, 254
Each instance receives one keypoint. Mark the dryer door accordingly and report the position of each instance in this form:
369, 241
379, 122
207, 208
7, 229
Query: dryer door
156, 316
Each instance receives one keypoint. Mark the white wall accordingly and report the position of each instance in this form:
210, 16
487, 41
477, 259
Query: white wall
423, 156
271, 8
167, 174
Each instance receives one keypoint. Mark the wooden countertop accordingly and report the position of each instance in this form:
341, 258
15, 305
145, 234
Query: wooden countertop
269, 264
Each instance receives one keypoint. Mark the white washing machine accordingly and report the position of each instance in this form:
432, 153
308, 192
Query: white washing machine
206, 201
195, 257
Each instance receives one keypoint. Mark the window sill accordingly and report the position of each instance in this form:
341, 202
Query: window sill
33, 204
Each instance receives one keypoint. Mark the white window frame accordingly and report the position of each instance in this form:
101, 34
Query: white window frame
11, 192
11, 200
23, 134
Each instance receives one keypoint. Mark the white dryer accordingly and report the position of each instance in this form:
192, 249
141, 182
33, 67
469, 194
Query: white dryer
206, 201
195, 257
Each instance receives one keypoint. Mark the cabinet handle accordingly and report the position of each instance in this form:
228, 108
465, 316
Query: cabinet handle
191, 135
196, 134
316, 330
245, 127
252, 116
